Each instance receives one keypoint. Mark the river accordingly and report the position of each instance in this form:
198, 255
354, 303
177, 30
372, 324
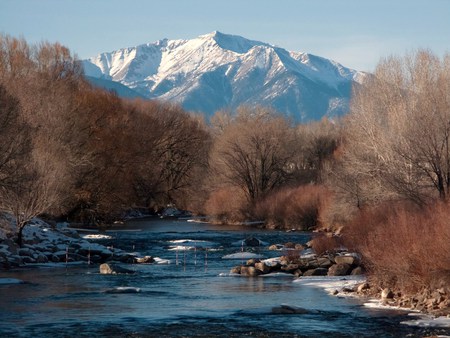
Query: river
195, 297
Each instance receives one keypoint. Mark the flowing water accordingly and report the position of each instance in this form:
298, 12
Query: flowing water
195, 297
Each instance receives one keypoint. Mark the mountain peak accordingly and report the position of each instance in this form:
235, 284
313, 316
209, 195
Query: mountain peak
222, 71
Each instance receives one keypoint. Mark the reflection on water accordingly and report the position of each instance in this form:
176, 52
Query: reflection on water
189, 299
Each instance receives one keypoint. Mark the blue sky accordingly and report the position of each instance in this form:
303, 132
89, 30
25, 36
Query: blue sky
356, 33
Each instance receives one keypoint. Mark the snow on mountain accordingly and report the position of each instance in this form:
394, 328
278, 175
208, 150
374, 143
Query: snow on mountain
219, 71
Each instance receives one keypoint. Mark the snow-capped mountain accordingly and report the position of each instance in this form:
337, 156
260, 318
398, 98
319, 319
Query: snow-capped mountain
219, 71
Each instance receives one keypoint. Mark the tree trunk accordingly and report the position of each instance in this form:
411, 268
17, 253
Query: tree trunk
20, 234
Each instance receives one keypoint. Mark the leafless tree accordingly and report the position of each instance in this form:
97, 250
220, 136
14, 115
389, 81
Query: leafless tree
397, 134
255, 152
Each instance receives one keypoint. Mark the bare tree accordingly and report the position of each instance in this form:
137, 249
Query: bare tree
254, 153
397, 134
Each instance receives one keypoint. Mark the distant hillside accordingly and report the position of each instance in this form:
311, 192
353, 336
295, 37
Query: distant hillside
120, 89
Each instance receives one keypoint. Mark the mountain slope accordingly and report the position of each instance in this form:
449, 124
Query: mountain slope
219, 71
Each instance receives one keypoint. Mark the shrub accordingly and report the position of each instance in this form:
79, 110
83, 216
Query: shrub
402, 245
294, 208
226, 204
323, 243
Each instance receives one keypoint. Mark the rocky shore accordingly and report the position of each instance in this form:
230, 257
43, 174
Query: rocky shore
43, 243
298, 262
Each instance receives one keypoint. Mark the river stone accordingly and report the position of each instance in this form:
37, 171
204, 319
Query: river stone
249, 271
324, 262
350, 260
339, 269
290, 268
316, 272
236, 270
289, 310
261, 266
357, 271
144, 260
112, 269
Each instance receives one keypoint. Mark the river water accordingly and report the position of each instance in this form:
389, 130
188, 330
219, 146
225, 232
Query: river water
195, 297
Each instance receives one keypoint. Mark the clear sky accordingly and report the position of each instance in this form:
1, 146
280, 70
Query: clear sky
356, 33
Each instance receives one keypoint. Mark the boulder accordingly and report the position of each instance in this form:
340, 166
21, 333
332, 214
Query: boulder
324, 262
236, 270
316, 272
340, 269
290, 268
112, 269
346, 259
357, 271
362, 287
252, 262
249, 271
273, 247
261, 266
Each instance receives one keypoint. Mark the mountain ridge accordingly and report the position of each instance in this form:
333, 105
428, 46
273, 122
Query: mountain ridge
219, 71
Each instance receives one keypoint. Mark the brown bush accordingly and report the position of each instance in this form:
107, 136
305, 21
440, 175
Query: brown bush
294, 208
324, 243
402, 245
226, 204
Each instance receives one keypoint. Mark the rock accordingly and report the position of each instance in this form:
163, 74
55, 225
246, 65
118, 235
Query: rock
273, 247
298, 273
290, 268
339, 269
387, 294
144, 260
249, 271
289, 245
251, 262
112, 269
236, 269
42, 258
362, 287
289, 310
26, 252
316, 272
262, 267
324, 262
299, 247
357, 271
350, 260
251, 241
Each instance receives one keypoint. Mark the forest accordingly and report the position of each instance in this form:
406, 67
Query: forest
376, 180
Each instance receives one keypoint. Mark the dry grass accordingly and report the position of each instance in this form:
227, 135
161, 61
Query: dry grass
403, 246
294, 208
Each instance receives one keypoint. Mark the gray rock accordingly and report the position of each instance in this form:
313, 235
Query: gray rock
357, 271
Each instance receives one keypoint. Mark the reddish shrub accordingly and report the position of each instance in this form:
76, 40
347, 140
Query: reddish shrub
324, 243
403, 246
226, 204
293, 208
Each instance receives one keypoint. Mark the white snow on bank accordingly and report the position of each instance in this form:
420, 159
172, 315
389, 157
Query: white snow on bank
96, 236
242, 255
428, 321
331, 283
193, 243
161, 260
378, 304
